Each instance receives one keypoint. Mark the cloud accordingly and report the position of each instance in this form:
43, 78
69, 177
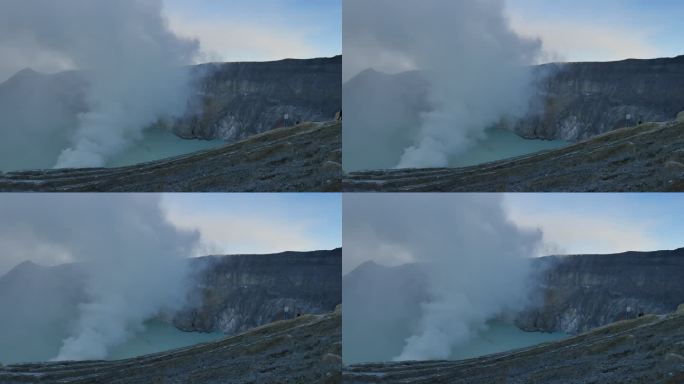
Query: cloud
584, 224
225, 40
476, 67
131, 256
132, 63
475, 258
226, 233
16, 57
580, 233
569, 39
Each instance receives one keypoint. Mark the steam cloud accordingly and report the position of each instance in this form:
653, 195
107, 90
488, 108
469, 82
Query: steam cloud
476, 66
132, 62
475, 261
130, 255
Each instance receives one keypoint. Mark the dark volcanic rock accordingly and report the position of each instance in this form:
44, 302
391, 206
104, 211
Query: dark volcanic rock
587, 291
303, 158
649, 157
235, 293
302, 350
645, 350
580, 100
238, 100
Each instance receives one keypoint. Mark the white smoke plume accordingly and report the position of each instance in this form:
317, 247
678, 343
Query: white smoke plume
477, 68
132, 258
475, 260
132, 62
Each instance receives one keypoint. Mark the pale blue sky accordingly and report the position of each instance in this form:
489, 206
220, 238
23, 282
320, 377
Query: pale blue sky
244, 30
590, 30
259, 222
602, 223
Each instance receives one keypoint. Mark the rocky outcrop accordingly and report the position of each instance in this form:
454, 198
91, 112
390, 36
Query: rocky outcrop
578, 293
304, 158
576, 101
236, 293
645, 158
302, 350
238, 100
649, 349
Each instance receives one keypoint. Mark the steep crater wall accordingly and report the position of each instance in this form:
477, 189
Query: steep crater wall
238, 100
578, 293
575, 101
236, 293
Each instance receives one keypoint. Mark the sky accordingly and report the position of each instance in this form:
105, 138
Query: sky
589, 30
49, 229
244, 30
578, 223
572, 223
259, 223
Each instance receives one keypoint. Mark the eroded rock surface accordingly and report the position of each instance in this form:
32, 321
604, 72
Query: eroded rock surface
649, 349
302, 350
236, 293
238, 100
581, 292
304, 158
576, 101
640, 158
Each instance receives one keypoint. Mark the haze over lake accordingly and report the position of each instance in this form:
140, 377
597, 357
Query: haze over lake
156, 145
157, 337
499, 337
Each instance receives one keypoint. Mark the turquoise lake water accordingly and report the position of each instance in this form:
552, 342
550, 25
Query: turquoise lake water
502, 144
159, 145
501, 337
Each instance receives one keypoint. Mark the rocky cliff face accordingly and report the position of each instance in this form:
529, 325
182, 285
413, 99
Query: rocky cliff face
236, 293
582, 292
576, 101
649, 349
238, 100
303, 350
